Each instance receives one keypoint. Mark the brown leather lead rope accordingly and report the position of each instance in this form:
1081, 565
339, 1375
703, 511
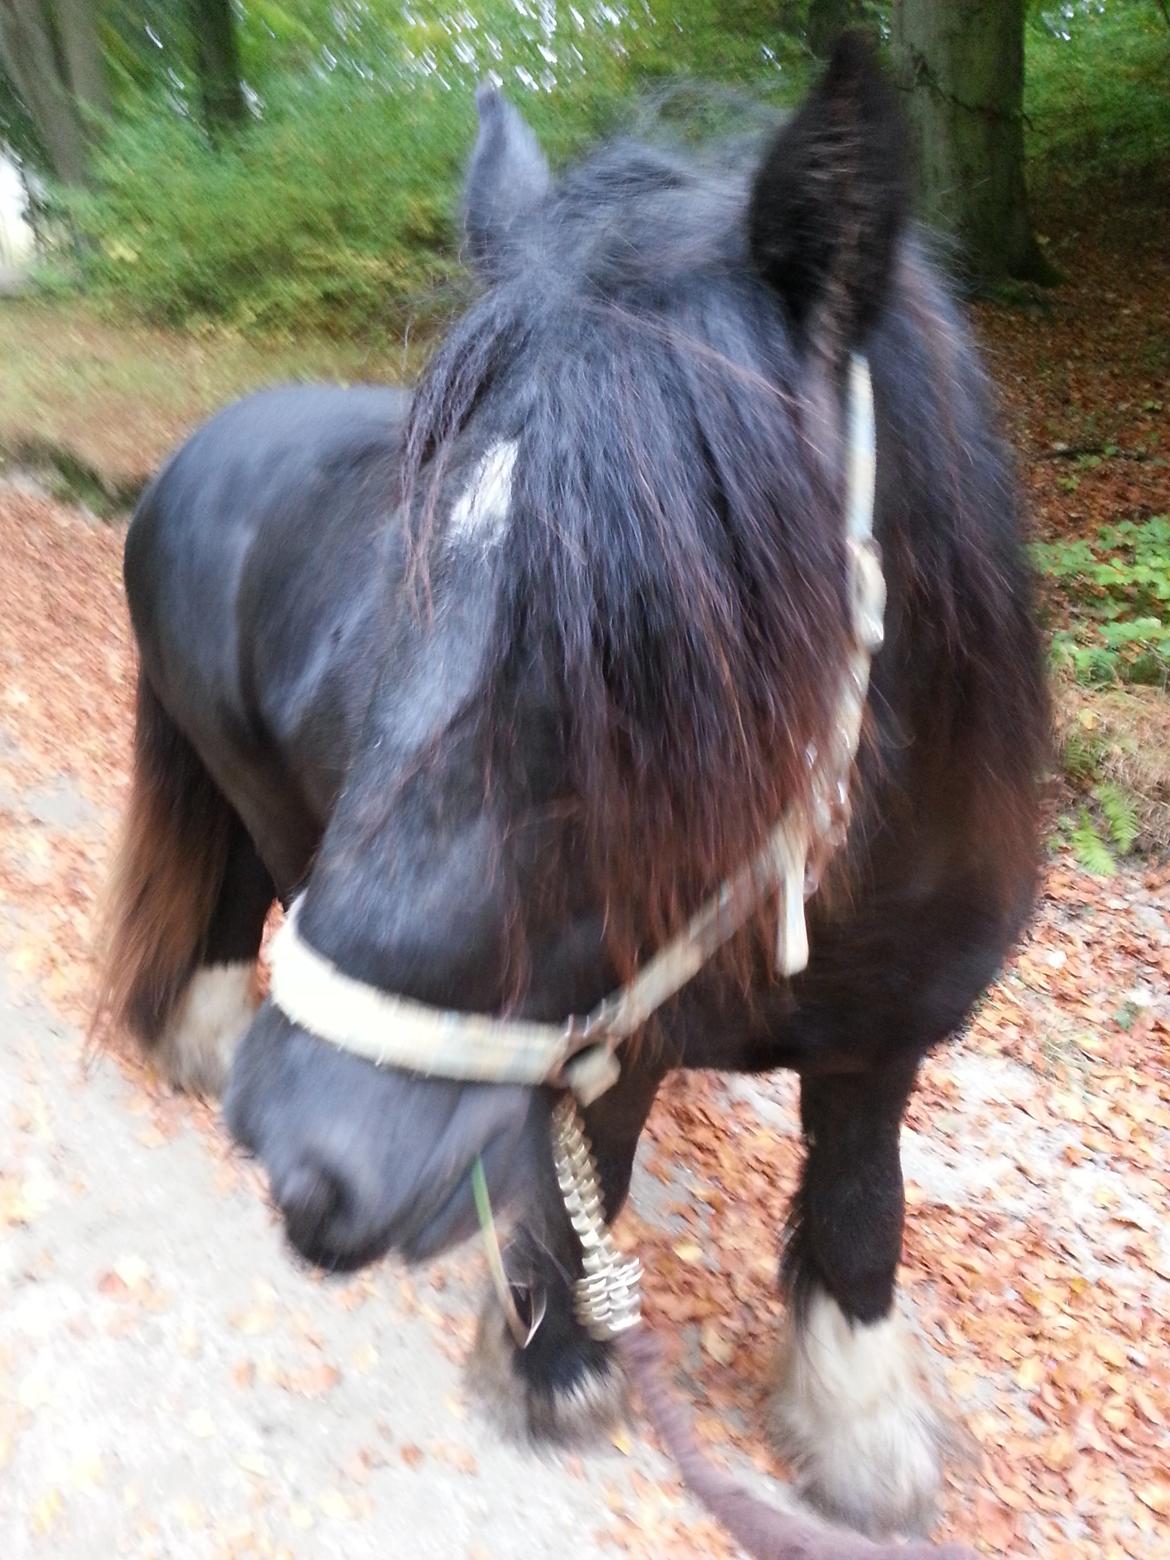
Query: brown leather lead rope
762, 1530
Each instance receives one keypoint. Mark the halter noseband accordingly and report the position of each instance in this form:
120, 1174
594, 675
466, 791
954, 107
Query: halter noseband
580, 1053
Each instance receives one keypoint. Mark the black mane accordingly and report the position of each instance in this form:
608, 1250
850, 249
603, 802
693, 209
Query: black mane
674, 559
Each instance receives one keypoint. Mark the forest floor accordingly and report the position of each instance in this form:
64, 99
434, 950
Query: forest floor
170, 1384
95, 404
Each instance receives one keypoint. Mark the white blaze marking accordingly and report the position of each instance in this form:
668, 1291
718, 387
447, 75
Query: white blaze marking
481, 510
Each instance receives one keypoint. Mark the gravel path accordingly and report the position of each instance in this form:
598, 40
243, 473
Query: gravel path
176, 1386
172, 1385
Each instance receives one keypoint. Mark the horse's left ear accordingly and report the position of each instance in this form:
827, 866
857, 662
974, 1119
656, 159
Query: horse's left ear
507, 177
830, 200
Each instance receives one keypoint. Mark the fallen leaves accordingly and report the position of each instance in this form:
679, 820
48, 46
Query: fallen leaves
716, 1344
1155, 1496
313, 1381
1042, 1288
334, 1505
455, 1455
24, 1199
200, 1423
45, 1512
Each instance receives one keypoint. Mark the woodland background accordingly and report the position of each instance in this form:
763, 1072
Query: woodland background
223, 192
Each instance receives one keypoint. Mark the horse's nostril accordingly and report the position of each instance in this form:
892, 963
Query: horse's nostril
312, 1200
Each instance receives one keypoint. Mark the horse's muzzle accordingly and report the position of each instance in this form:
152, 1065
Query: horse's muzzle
364, 1160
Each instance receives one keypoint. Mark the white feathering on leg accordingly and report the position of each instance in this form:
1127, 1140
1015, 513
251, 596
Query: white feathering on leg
195, 1049
854, 1417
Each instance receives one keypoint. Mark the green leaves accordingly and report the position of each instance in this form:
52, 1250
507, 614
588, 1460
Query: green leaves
333, 208
1104, 830
1120, 813
1089, 848
313, 219
1114, 588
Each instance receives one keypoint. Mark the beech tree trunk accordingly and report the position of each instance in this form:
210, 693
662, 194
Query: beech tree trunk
217, 64
827, 20
961, 66
81, 50
29, 56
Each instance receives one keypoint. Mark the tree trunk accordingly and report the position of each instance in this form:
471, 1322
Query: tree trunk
961, 66
217, 64
81, 48
827, 20
29, 58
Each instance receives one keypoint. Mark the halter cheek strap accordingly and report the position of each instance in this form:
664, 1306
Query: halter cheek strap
393, 1031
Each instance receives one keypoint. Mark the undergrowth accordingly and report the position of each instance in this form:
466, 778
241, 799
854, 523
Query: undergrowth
1112, 590
1109, 595
1102, 829
1097, 88
336, 207
1114, 746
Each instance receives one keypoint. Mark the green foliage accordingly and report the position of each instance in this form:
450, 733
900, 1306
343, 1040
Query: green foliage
1082, 754
1120, 813
1105, 828
335, 206
332, 213
1090, 850
1096, 85
1114, 589
334, 209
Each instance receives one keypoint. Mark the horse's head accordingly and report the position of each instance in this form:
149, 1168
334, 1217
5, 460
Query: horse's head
622, 497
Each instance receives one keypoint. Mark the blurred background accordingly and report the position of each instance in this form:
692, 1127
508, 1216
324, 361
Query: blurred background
280, 166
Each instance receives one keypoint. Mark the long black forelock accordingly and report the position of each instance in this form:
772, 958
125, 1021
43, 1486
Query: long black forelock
673, 561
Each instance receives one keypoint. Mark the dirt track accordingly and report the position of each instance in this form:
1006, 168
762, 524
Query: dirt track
171, 1385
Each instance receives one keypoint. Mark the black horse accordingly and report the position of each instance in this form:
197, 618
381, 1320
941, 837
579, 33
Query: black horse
504, 678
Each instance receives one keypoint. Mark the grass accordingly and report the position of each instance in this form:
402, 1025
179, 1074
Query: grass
103, 402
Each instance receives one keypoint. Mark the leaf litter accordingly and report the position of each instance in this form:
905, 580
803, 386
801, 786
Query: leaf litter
1037, 1151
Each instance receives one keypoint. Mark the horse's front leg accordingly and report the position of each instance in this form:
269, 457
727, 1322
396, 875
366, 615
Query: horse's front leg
852, 1414
564, 1386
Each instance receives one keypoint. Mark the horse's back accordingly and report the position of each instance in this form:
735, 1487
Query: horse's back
264, 462
255, 546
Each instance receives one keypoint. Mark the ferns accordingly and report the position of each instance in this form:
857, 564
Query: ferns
1115, 590
1082, 754
1120, 813
1102, 833
1089, 848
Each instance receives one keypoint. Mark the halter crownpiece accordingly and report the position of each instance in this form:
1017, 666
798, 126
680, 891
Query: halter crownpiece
580, 1053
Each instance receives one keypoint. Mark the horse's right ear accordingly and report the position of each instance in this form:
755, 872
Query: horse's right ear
507, 177
830, 199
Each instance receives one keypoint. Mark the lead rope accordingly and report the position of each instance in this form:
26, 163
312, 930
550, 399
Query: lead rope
607, 1301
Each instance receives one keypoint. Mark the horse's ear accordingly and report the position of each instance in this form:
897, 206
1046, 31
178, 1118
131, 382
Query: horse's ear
507, 177
830, 199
